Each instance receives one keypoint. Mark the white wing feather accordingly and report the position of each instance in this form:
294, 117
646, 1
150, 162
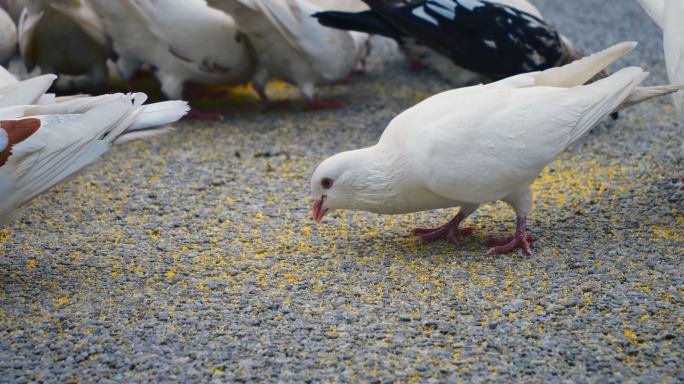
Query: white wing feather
484, 143
573, 74
66, 143
6, 77
25, 92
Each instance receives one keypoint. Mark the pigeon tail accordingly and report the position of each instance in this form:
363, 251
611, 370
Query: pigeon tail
367, 21
641, 94
607, 95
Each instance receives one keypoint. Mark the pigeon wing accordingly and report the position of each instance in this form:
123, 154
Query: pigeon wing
500, 138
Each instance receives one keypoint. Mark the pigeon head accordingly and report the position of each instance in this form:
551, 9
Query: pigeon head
334, 184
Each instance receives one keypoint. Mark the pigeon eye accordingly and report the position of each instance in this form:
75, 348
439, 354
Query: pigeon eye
326, 183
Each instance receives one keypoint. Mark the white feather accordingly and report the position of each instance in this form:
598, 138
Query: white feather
25, 92
81, 130
292, 46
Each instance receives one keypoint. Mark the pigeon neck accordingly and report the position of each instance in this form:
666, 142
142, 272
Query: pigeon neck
376, 179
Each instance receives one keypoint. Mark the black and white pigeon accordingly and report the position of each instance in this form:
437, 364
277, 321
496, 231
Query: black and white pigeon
479, 144
494, 39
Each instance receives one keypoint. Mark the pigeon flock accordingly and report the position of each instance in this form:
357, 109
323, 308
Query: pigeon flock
522, 93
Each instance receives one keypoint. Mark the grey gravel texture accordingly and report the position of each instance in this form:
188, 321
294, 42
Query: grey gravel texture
192, 257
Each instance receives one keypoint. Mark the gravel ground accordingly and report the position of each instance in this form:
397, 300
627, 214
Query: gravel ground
192, 257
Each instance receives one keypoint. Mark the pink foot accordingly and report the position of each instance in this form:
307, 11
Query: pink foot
313, 105
197, 91
130, 88
199, 115
142, 72
282, 104
364, 61
682, 179
415, 64
450, 230
267, 104
508, 244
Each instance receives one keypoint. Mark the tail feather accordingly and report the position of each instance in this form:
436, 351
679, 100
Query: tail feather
641, 94
158, 114
606, 96
367, 21
127, 136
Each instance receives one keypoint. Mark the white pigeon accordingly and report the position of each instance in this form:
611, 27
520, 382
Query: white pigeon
13, 8
64, 37
669, 15
479, 144
43, 145
343, 5
292, 46
8, 38
185, 40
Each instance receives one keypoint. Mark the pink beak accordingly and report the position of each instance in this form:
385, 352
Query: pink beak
317, 211
9, 3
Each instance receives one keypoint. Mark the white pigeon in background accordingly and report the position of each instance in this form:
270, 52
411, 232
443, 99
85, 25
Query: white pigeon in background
64, 37
8, 38
184, 40
293, 47
341, 5
13, 8
46, 144
669, 15
479, 144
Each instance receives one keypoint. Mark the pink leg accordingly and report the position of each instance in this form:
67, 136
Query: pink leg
130, 88
415, 64
450, 230
199, 115
314, 104
142, 72
520, 239
266, 104
364, 62
194, 90
682, 179
346, 81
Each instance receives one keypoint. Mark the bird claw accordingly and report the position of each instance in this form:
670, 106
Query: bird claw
313, 105
414, 64
199, 115
282, 104
506, 245
449, 230
505, 240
